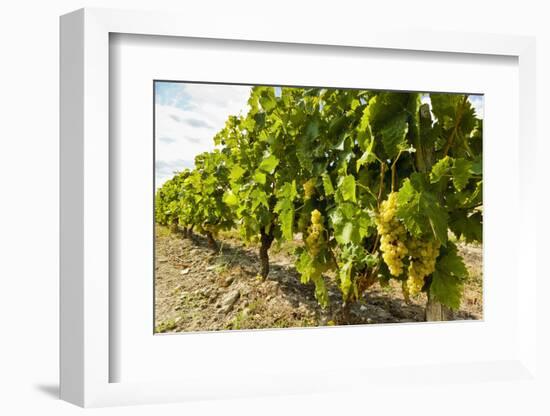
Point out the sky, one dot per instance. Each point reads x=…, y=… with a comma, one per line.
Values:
x=187, y=117
x=477, y=103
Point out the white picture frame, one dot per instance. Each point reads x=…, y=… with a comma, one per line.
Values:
x=86, y=356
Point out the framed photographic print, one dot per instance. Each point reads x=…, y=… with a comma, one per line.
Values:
x=274, y=214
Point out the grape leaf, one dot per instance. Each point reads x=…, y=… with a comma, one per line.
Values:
x=327, y=184
x=477, y=166
x=347, y=188
x=259, y=120
x=383, y=107
x=338, y=224
x=236, y=173
x=248, y=123
x=440, y=169
x=311, y=270
x=260, y=177
x=268, y=101
x=367, y=157
x=286, y=218
x=364, y=123
x=448, y=278
x=321, y=293
x=285, y=208
x=269, y=164
x=304, y=152
x=365, y=224
x=437, y=216
x=304, y=266
x=348, y=233
x=468, y=226
x=419, y=209
x=312, y=130
x=337, y=125
x=408, y=202
x=461, y=173
x=345, y=279
x=394, y=135
x=476, y=196
x=444, y=107
x=258, y=197
x=230, y=198
x=350, y=224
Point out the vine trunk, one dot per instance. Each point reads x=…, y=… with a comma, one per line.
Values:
x=266, y=241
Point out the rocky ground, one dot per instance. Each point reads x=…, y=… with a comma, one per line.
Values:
x=197, y=289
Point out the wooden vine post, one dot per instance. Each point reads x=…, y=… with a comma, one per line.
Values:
x=435, y=311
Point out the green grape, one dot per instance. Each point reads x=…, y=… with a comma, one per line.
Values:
x=316, y=217
x=423, y=255
x=315, y=233
x=392, y=235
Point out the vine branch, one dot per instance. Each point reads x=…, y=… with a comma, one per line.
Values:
x=394, y=171
x=381, y=186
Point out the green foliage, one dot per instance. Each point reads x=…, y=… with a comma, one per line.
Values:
x=311, y=270
x=448, y=278
x=285, y=208
x=327, y=185
x=420, y=209
x=394, y=135
x=167, y=199
x=347, y=188
x=269, y=164
x=441, y=169
x=461, y=173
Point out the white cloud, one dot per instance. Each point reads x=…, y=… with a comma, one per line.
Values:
x=181, y=134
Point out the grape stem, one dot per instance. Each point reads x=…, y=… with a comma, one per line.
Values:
x=331, y=252
x=366, y=189
x=381, y=187
x=394, y=171
x=376, y=240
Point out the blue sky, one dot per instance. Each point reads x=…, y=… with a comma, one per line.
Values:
x=172, y=94
x=187, y=116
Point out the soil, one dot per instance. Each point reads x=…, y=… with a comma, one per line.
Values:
x=198, y=289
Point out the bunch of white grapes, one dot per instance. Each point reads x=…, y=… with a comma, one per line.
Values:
x=315, y=233
x=423, y=255
x=396, y=245
x=309, y=189
x=392, y=235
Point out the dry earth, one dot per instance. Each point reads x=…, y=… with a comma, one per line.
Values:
x=197, y=289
